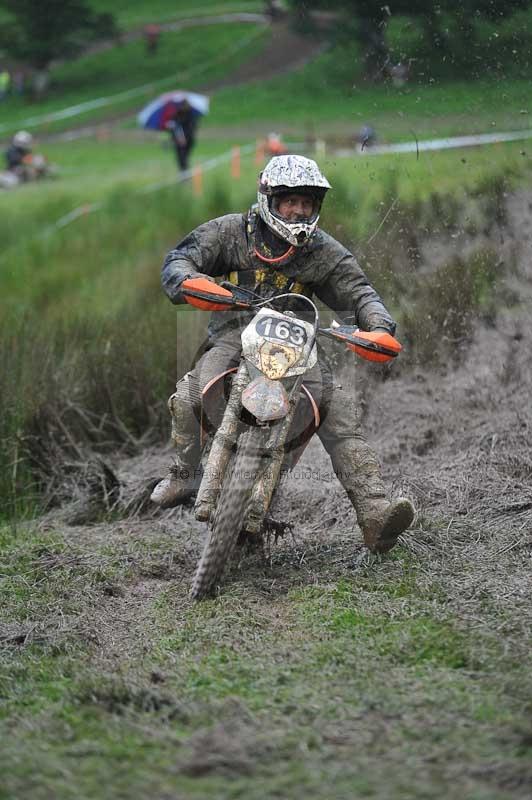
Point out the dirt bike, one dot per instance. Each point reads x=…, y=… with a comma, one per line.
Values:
x=249, y=448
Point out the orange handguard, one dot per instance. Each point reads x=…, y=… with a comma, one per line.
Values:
x=375, y=346
x=207, y=295
x=372, y=345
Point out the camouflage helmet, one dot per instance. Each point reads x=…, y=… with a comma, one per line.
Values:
x=286, y=175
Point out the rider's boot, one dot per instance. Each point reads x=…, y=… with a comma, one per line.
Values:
x=380, y=520
x=176, y=486
x=180, y=481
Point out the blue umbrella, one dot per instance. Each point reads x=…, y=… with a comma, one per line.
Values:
x=159, y=112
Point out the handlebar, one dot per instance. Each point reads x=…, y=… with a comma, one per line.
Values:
x=202, y=293
x=376, y=346
x=210, y=296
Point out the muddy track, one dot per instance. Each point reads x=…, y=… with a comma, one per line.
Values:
x=455, y=438
x=287, y=51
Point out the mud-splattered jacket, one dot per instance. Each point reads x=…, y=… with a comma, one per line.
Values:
x=224, y=248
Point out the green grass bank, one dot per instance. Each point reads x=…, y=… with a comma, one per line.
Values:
x=301, y=691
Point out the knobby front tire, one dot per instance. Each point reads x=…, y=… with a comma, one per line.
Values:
x=229, y=516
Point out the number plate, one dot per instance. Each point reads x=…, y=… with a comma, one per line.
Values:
x=281, y=330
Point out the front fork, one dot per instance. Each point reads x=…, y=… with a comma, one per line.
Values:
x=223, y=443
x=274, y=452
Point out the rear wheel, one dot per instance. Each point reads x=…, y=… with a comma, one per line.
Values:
x=229, y=515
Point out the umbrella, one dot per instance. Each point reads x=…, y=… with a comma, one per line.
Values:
x=157, y=113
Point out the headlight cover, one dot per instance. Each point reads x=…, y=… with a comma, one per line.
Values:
x=265, y=399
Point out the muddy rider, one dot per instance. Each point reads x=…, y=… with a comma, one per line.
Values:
x=273, y=249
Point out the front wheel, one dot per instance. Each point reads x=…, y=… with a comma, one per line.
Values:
x=230, y=514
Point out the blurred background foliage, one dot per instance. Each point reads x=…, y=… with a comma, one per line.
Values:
x=439, y=39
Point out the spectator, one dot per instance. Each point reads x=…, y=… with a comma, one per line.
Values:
x=19, y=82
x=18, y=150
x=22, y=164
x=399, y=73
x=5, y=80
x=182, y=128
x=39, y=84
x=152, y=35
x=366, y=137
x=274, y=9
x=275, y=145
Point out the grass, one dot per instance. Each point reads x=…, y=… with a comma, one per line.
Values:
x=91, y=281
x=327, y=97
x=314, y=101
x=433, y=187
x=131, y=15
x=412, y=638
x=248, y=694
x=436, y=188
x=501, y=46
x=131, y=228
x=194, y=51
x=191, y=57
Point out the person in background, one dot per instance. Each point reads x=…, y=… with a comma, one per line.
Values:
x=182, y=128
x=5, y=81
x=22, y=164
x=152, y=35
x=274, y=9
x=399, y=73
x=19, y=82
x=19, y=149
x=275, y=145
x=365, y=138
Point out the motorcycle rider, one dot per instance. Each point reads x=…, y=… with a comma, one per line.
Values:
x=273, y=249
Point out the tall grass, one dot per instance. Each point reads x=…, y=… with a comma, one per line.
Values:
x=88, y=341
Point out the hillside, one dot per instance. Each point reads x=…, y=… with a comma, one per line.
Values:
x=318, y=671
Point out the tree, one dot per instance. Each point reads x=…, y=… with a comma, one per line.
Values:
x=361, y=20
x=448, y=26
x=39, y=31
